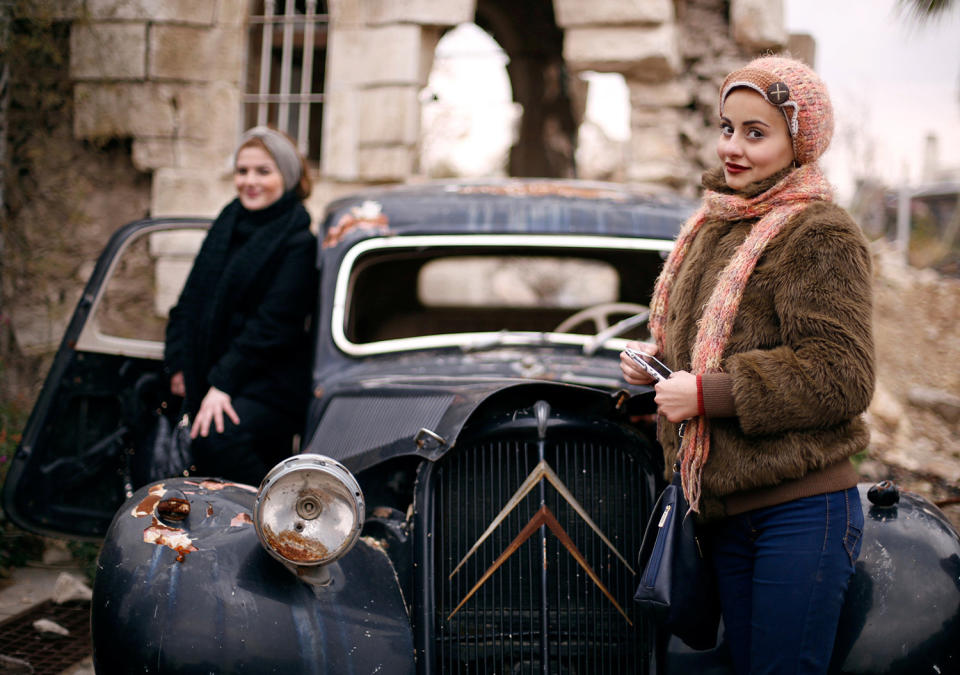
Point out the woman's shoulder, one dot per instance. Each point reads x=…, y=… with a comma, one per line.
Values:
x=825, y=221
x=826, y=215
x=824, y=236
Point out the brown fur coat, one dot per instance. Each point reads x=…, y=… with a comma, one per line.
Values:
x=800, y=359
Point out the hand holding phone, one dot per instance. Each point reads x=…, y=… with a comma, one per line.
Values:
x=653, y=366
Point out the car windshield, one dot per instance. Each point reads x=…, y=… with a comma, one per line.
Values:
x=396, y=295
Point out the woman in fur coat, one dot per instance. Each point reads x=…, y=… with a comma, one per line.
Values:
x=238, y=342
x=763, y=311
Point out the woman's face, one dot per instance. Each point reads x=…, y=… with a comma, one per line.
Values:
x=258, y=180
x=754, y=141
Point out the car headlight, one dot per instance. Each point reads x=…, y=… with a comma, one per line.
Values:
x=309, y=510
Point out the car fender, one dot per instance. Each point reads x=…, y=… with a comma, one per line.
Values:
x=184, y=586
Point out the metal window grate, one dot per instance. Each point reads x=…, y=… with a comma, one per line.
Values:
x=48, y=654
x=285, y=71
x=508, y=626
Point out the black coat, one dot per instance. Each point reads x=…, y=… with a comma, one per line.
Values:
x=242, y=322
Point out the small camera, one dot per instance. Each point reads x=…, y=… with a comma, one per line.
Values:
x=649, y=363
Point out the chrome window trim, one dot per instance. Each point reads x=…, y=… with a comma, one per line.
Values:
x=468, y=341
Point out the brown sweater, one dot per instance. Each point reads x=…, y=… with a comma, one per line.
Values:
x=798, y=368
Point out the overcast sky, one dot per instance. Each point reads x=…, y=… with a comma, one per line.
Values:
x=892, y=80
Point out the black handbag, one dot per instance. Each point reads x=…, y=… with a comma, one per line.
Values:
x=165, y=452
x=678, y=585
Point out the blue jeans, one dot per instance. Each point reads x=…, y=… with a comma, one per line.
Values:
x=782, y=573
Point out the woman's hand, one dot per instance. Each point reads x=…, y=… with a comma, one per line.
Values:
x=177, y=388
x=632, y=372
x=676, y=397
x=214, y=406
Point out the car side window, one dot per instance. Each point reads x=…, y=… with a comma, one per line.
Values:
x=130, y=311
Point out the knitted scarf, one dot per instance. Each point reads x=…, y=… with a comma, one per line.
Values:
x=774, y=208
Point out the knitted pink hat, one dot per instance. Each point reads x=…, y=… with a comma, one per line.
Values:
x=798, y=92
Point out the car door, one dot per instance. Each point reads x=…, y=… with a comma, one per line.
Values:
x=76, y=462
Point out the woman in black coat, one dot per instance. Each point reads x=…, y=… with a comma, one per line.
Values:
x=238, y=341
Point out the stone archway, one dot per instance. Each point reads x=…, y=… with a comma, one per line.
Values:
x=527, y=31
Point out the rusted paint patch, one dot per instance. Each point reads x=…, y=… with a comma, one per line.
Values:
x=171, y=537
x=146, y=507
x=368, y=216
x=209, y=510
x=544, y=189
x=294, y=547
x=241, y=519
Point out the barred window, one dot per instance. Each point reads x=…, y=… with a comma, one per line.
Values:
x=285, y=69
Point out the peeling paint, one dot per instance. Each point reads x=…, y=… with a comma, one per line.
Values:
x=241, y=519
x=214, y=485
x=368, y=216
x=172, y=537
x=149, y=504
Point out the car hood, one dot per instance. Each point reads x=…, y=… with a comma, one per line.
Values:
x=418, y=404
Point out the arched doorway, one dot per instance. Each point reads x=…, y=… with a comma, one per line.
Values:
x=527, y=30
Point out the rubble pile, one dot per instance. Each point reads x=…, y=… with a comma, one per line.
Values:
x=915, y=414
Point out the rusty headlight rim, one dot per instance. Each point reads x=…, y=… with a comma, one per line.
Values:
x=309, y=511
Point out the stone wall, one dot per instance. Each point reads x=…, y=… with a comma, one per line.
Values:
x=168, y=75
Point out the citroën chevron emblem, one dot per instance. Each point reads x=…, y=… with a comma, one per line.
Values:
x=543, y=516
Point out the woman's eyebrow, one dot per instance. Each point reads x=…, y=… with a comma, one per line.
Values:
x=746, y=123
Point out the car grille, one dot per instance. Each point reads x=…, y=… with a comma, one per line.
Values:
x=523, y=619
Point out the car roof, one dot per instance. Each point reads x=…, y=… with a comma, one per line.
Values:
x=530, y=206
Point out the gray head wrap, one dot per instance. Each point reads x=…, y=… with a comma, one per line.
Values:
x=281, y=149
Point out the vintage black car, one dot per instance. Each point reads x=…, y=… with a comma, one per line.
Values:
x=471, y=488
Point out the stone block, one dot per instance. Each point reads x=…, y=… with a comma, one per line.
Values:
x=150, y=154
x=174, y=252
x=387, y=115
x=643, y=54
x=803, y=46
x=189, y=53
x=424, y=12
x=674, y=94
x=153, y=153
x=108, y=51
x=169, y=277
x=397, y=54
x=233, y=13
x=758, y=25
x=655, y=143
x=340, y=133
x=174, y=11
x=380, y=164
x=208, y=112
x=571, y=13
x=117, y=110
x=189, y=192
